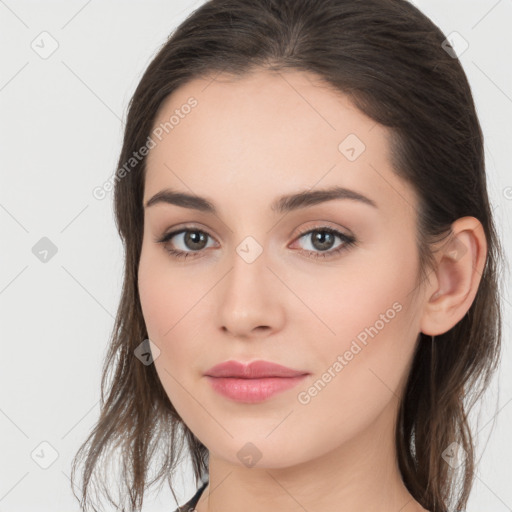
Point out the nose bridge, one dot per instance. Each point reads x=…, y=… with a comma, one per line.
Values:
x=249, y=300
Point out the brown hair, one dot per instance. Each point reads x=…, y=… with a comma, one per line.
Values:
x=388, y=58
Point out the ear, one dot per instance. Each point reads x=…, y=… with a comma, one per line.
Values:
x=460, y=263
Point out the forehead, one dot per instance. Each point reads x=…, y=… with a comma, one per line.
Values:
x=267, y=132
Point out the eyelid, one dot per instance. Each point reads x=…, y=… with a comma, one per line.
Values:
x=175, y=230
x=324, y=224
x=301, y=231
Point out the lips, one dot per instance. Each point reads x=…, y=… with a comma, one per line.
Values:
x=253, y=370
x=253, y=382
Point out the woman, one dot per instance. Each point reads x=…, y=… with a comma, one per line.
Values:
x=310, y=303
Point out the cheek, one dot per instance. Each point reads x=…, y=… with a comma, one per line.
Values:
x=367, y=295
x=166, y=295
x=370, y=329
x=164, y=309
x=170, y=303
x=357, y=376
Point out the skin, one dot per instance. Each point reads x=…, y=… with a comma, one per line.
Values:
x=247, y=142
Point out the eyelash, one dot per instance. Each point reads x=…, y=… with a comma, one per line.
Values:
x=348, y=240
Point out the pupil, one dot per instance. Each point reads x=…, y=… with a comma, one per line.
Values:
x=195, y=237
x=322, y=239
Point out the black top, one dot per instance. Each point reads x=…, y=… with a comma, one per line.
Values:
x=190, y=505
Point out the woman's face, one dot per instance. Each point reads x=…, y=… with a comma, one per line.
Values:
x=263, y=282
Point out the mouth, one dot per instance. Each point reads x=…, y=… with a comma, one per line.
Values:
x=254, y=382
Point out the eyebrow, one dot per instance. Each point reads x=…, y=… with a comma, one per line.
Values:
x=282, y=204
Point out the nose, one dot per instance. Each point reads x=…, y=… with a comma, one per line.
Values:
x=251, y=300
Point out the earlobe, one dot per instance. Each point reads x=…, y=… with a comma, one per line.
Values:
x=460, y=263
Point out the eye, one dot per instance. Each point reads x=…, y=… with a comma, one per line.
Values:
x=192, y=241
x=323, y=238
x=192, y=238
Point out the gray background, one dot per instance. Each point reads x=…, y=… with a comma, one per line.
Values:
x=61, y=126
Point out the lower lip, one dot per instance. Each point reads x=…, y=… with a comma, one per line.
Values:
x=252, y=390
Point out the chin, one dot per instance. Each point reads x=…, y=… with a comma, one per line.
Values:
x=265, y=451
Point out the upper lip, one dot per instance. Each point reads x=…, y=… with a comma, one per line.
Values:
x=253, y=370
